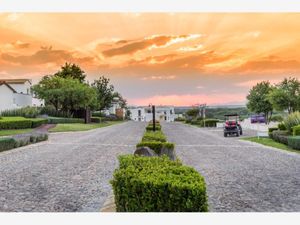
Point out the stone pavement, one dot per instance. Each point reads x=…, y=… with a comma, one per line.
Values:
x=241, y=176
x=70, y=172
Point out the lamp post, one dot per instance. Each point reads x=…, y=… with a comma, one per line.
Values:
x=153, y=117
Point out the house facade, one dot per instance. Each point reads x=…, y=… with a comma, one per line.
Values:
x=162, y=113
x=16, y=93
x=115, y=109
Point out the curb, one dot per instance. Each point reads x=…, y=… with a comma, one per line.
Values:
x=109, y=204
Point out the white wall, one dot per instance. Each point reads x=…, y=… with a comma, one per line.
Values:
x=162, y=114
x=22, y=88
x=23, y=100
x=6, y=98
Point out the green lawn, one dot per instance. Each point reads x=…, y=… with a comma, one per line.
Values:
x=66, y=127
x=269, y=142
x=14, y=132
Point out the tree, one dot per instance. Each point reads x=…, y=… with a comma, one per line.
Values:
x=104, y=91
x=258, y=99
x=71, y=71
x=193, y=112
x=123, y=101
x=286, y=95
x=65, y=94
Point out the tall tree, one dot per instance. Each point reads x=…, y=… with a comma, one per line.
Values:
x=65, y=94
x=286, y=95
x=105, y=92
x=123, y=101
x=258, y=99
x=71, y=71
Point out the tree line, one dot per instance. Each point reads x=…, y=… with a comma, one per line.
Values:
x=283, y=96
x=68, y=91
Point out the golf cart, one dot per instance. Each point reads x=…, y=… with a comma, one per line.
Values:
x=232, y=125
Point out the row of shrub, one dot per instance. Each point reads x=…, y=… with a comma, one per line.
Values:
x=203, y=122
x=33, y=112
x=288, y=131
x=9, y=123
x=157, y=184
x=157, y=141
x=57, y=120
x=22, y=140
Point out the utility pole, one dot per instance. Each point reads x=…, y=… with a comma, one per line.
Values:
x=202, y=111
x=153, y=117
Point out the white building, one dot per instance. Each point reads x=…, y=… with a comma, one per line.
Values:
x=162, y=113
x=115, y=109
x=16, y=93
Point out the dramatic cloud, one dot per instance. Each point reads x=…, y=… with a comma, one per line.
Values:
x=154, y=41
x=44, y=56
x=159, y=78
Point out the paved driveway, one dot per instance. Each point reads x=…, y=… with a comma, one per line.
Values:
x=240, y=176
x=70, y=172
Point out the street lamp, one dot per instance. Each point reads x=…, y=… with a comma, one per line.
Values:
x=153, y=117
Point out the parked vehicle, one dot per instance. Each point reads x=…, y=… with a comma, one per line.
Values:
x=258, y=119
x=232, y=125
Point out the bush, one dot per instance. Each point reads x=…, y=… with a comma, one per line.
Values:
x=294, y=142
x=154, y=136
x=6, y=144
x=150, y=127
x=209, y=122
x=292, y=120
x=96, y=120
x=10, y=123
x=51, y=111
x=179, y=119
x=27, y=112
x=56, y=120
x=280, y=136
x=156, y=145
x=277, y=118
x=281, y=126
x=98, y=114
x=296, y=130
x=38, y=122
x=156, y=184
x=271, y=129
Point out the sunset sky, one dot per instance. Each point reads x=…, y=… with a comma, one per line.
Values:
x=167, y=58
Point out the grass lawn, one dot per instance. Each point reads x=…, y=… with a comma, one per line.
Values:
x=66, y=127
x=14, y=132
x=269, y=142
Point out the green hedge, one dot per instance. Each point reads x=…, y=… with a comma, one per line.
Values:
x=154, y=136
x=156, y=184
x=96, y=119
x=296, y=130
x=150, y=127
x=38, y=122
x=9, y=123
x=280, y=136
x=156, y=145
x=6, y=144
x=281, y=126
x=22, y=140
x=209, y=122
x=294, y=142
x=57, y=120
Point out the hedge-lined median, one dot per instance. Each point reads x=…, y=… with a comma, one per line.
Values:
x=11, y=123
x=156, y=184
x=21, y=140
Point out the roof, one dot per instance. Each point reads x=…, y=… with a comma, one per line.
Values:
x=6, y=84
x=15, y=81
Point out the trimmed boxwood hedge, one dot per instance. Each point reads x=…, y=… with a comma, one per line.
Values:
x=280, y=136
x=150, y=127
x=38, y=122
x=57, y=120
x=156, y=145
x=156, y=184
x=9, y=123
x=294, y=142
x=7, y=143
x=154, y=136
